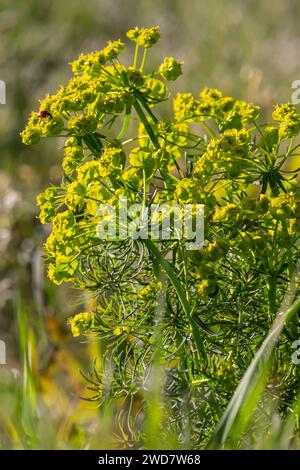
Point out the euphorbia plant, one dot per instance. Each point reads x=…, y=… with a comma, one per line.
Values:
x=206, y=310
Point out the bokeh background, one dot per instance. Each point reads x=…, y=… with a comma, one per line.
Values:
x=249, y=49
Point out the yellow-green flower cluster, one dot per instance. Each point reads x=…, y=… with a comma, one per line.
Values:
x=73, y=157
x=170, y=69
x=88, y=189
x=186, y=107
x=257, y=223
x=82, y=125
x=240, y=115
x=114, y=101
x=38, y=127
x=233, y=142
x=135, y=77
x=89, y=172
x=204, y=167
x=89, y=197
x=47, y=202
x=285, y=206
x=77, y=95
x=81, y=323
x=144, y=37
x=150, y=291
x=144, y=158
x=112, y=162
x=61, y=247
x=155, y=89
x=228, y=213
x=289, y=120
x=227, y=112
x=93, y=62
x=206, y=261
x=75, y=196
x=227, y=153
x=187, y=191
x=248, y=209
x=210, y=102
x=172, y=137
x=109, y=163
x=101, y=86
x=207, y=288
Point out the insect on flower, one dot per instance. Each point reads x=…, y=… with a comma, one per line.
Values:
x=44, y=114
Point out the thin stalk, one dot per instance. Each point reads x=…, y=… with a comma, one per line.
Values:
x=136, y=53
x=125, y=122
x=144, y=59
x=144, y=190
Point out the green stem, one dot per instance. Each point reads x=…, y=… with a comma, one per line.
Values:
x=125, y=122
x=144, y=190
x=136, y=53
x=144, y=59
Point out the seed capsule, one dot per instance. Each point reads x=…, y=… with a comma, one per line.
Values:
x=44, y=114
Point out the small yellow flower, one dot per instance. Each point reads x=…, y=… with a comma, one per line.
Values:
x=170, y=69
x=145, y=37
x=207, y=287
x=150, y=291
x=81, y=323
x=121, y=329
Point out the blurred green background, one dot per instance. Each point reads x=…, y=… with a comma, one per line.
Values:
x=249, y=49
